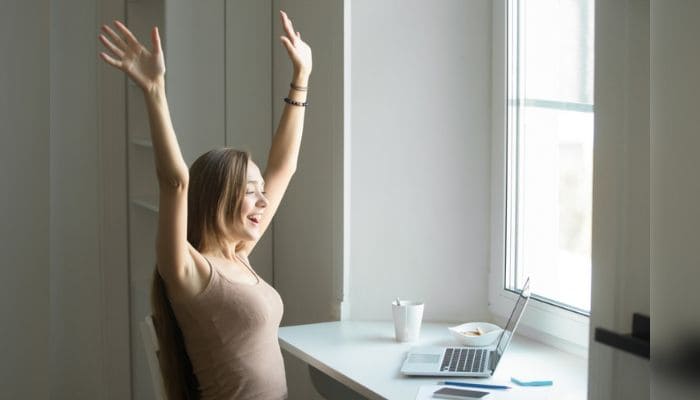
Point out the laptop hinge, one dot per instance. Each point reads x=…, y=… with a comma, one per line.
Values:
x=493, y=360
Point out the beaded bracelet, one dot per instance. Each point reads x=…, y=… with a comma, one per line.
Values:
x=295, y=103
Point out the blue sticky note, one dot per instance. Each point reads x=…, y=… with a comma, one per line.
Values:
x=540, y=382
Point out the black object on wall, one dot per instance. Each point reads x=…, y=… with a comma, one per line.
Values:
x=636, y=342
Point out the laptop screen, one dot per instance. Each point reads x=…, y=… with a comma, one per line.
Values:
x=520, y=304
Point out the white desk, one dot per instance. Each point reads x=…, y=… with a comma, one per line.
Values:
x=364, y=357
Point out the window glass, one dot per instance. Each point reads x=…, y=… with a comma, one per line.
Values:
x=550, y=149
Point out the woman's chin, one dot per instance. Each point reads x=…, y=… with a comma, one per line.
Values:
x=252, y=234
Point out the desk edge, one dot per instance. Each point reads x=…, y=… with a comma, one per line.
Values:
x=345, y=380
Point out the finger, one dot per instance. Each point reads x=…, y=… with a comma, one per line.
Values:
x=298, y=35
x=287, y=24
x=111, y=61
x=287, y=43
x=130, y=38
x=114, y=49
x=118, y=41
x=155, y=40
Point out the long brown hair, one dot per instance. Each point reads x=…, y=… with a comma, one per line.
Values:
x=216, y=188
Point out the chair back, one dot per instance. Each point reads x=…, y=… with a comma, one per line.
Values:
x=150, y=343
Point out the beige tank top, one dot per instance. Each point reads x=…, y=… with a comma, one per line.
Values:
x=230, y=333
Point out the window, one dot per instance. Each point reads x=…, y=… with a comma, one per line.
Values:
x=541, y=160
x=549, y=150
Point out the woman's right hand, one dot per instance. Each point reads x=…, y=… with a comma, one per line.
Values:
x=146, y=68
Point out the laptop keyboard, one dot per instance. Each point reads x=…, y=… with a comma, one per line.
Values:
x=463, y=360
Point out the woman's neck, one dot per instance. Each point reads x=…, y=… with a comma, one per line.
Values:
x=227, y=251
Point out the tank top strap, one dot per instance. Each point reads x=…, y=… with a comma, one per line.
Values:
x=250, y=269
x=217, y=275
x=212, y=271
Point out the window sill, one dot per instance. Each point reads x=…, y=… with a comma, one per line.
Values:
x=545, y=323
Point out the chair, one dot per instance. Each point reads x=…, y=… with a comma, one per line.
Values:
x=150, y=343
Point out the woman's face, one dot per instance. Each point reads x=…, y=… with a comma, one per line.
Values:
x=253, y=205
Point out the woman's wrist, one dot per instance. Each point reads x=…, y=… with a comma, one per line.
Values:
x=155, y=93
x=300, y=78
x=155, y=88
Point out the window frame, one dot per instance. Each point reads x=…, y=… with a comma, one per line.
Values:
x=559, y=327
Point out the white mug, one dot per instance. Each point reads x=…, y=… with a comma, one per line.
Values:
x=407, y=320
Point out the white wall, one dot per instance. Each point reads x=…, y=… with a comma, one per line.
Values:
x=55, y=304
x=420, y=157
x=675, y=193
x=620, y=241
x=75, y=272
x=88, y=265
x=24, y=177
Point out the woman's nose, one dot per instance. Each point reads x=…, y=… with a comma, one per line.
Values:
x=262, y=201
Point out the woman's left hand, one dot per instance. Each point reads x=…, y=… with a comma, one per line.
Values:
x=299, y=52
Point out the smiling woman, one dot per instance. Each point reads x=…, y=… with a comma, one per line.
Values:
x=215, y=318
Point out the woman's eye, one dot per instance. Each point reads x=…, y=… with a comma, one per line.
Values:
x=249, y=192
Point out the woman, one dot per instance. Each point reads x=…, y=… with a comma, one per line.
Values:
x=216, y=319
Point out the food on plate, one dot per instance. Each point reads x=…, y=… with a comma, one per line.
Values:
x=476, y=332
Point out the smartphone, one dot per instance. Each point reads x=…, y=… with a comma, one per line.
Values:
x=463, y=394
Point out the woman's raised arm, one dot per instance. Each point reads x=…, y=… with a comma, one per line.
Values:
x=284, y=151
x=147, y=69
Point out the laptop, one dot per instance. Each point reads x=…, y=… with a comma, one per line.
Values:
x=466, y=361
